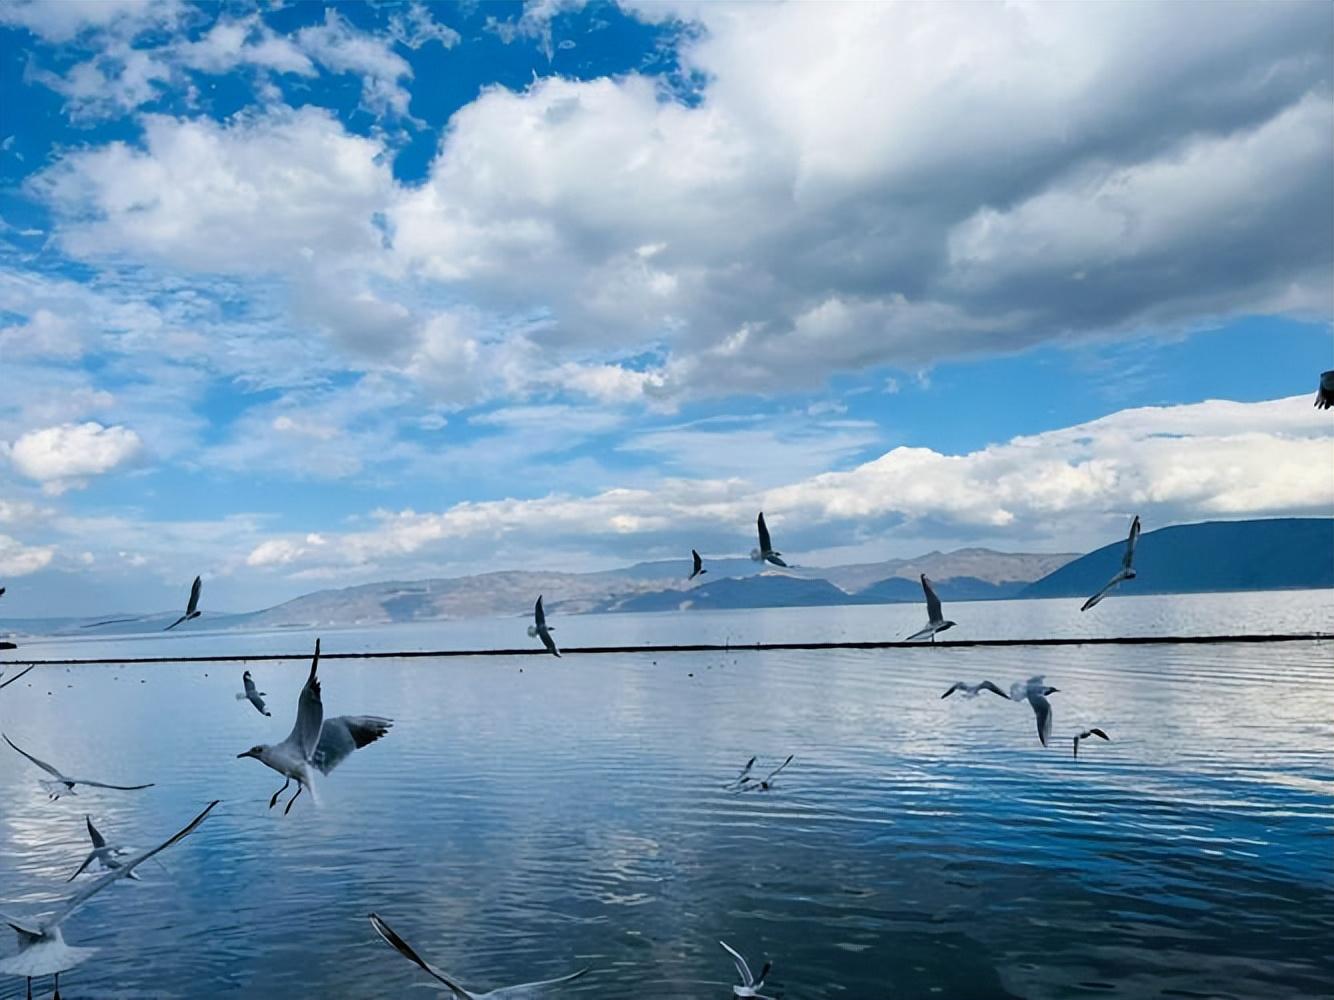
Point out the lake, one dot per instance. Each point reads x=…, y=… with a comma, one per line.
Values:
x=529, y=816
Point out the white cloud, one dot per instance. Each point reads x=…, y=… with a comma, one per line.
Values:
x=45, y=334
x=341, y=48
x=62, y=457
x=64, y=20
x=417, y=26
x=17, y=559
x=246, y=41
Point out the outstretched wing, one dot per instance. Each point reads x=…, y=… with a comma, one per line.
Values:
x=699, y=564
x=16, y=677
x=97, y=839
x=1129, y=556
x=933, y=610
x=86, y=862
x=766, y=545
x=549, y=642
x=956, y=686
x=406, y=950
x=743, y=970
x=345, y=733
x=770, y=775
x=251, y=691
x=175, y=623
x=988, y=686
x=305, y=735
x=530, y=991
x=1106, y=589
x=102, y=784
x=40, y=763
x=195, y=587
x=1042, y=710
x=124, y=870
x=539, y=616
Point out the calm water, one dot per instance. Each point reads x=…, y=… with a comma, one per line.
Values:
x=519, y=825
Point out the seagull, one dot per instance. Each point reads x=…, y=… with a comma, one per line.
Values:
x=741, y=778
x=972, y=690
x=252, y=695
x=764, y=784
x=699, y=569
x=16, y=676
x=524, y=991
x=1035, y=692
x=1086, y=734
x=315, y=741
x=749, y=987
x=541, y=628
x=1324, y=397
x=191, y=609
x=766, y=553
x=935, y=620
x=1127, y=571
x=63, y=785
x=42, y=948
x=106, y=856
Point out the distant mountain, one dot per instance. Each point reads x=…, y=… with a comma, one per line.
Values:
x=960, y=588
x=1216, y=555
x=767, y=591
x=980, y=564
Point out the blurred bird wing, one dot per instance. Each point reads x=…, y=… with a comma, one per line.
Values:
x=766, y=545
x=1131, y=541
x=934, y=614
x=305, y=734
x=40, y=763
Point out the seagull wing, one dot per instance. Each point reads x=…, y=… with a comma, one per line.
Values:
x=699, y=564
x=1129, y=556
x=251, y=691
x=539, y=616
x=766, y=545
x=1324, y=397
x=741, y=967
x=305, y=735
x=406, y=950
x=195, y=587
x=101, y=784
x=530, y=991
x=1042, y=710
x=344, y=733
x=933, y=611
x=97, y=839
x=956, y=686
x=124, y=870
x=549, y=642
x=86, y=862
x=13, y=679
x=770, y=775
x=175, y=623
x=1106, y=589
x=921, y=634
x=40, y=763
x=988, y=686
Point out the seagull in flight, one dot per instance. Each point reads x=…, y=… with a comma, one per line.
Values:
x=1035, y=692
x=541, y=628
x=747, y=784
x=1324, y=397
x=750, y=986
x=42, y=948
x=107, y=856
x=1127, y=570
x=972, y=690
x=699, y=569
x=1086, y=734
x=315, y=743
x=766, y=553
x=63, y=785
x=252, y=694
x=191, y=609
x=935, y=619
x=524, y=991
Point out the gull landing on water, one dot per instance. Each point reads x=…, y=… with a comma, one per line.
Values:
x=1086, y=734
x=541, y=628
x=750, y=987
x=64, y=785
x=524, y=991
x=1127, y=570
x=252, y=694
x=42, y=948
x=935, y=618
x=315, y=743
x=745, y=783
x=972, y=690
x=766, y=553
x=1324, y=397
x=698, y=569
x=191, y=609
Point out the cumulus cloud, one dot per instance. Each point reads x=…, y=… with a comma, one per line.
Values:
x=67, y=19
x=17, y=559
x=62, y=457
x=341, y=48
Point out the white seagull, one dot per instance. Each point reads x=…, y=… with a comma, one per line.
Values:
x=1086, y=734
x=315, y=743
x=935, y=619
x=64, y=785
x=1035, y=692
x=1127, y=571
x=750, y=986
x=972, y=690
x=107, y=856
x=42, y=948
x=191, y=609
x=541, y=628
x=524, y=991
x=766, y=553
x=1324, y=397
x=699, y=569
x=252, y=694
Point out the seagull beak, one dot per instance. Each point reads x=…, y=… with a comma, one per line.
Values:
x=248, y=753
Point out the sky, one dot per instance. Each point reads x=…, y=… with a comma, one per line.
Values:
x=297, y=296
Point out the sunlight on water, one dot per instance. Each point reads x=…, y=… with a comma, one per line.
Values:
x=528, y=816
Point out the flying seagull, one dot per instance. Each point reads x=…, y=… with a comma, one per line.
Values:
x=541, y=628
x=107, y=856
x=252, y=694
x=766, y=553
x=524, y=991
x=63, y=785
x=935, y=619
x=699, y=569
x=750, y=986
x=1035, y=692
x=1127, y=571
x=972, y=690
x=1324, y=397
x=16, y=676
x=42, y=948
x=191, y=609
x=1086, y=734
x=315, y=742
x=746, y=784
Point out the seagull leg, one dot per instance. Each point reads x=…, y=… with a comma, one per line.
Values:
x=299, y=789
x=30, y=988
x=274, y=801
x=56, y=994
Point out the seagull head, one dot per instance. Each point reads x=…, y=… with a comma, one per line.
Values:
x=254, y=751
x=945, y=625
x=1050, y=690
x=532, y=631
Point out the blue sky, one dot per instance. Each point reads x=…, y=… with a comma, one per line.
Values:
x=297, y=296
